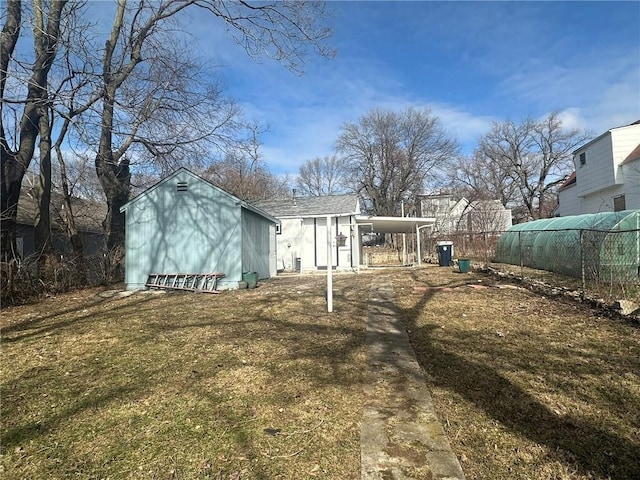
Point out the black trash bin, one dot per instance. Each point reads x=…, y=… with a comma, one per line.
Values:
x=298, y=266
x=445, y=254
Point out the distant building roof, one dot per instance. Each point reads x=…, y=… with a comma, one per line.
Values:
x=634, y=155
x=88, y=214
x=569, y=181
x=310, y=206
x=608, y=132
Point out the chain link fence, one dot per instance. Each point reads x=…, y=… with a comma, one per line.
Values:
x=597, y=263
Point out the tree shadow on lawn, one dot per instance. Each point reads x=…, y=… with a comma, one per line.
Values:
x=301, y=331
x=318, y=348
x=583, y=445
x=57, y=320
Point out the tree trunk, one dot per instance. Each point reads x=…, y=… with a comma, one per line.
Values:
x=42, y=227
x=116, y=183
x=12, y=174
x=14, y=164
x=70, y=221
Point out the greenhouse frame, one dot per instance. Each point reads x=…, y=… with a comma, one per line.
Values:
x=603, y=246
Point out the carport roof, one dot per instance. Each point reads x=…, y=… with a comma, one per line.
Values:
x=372, y=224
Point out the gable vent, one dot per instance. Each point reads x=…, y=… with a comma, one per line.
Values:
x=183, y=186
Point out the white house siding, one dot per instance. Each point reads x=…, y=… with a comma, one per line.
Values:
x=632, y=185
x=605, y=175
x=306, y=239
x=342, y=256
x=598, y=172
x=568, y=202
x=624, y=140
x=289, y=242
x=273, y=251
x=602, y=201
x=303, y=233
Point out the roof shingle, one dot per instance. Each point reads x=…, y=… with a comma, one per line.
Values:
x=310, y=206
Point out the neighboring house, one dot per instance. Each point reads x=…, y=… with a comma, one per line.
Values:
x=457, y=216
x=185, y=224
x=88, y=217
x=606, y=176
x=302, y=235
x=444, y=208
x=486, y=216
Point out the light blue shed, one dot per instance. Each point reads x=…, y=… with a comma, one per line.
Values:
x=185, y=224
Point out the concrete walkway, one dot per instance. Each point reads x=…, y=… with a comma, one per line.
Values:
x=401, y=437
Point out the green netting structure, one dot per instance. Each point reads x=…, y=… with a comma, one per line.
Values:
x=603, y=245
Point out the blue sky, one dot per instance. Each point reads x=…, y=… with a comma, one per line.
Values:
x=471, y=63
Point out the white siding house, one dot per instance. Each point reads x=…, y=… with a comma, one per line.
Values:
x=462, y=215
x=302, y=235
x=606, y=176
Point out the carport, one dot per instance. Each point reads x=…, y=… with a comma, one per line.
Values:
x=373, y=224
x=404, y=225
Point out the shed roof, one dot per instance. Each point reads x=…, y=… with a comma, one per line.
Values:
x=311, y=206
x=238, y=201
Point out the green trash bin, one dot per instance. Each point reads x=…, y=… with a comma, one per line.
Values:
x=251, y=278
x=464, y=264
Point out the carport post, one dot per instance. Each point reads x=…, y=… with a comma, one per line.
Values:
x=418, y=228
x=329, y=266
x=418, y=245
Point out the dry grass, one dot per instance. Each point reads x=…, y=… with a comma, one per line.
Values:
x=264, y=384
x=257, y=384
x=527, y=388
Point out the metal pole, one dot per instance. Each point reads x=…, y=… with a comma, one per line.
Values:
x=582, y=275
x=418, y=245
x=329, y=267
x=404, y=241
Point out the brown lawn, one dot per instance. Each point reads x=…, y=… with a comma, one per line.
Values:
x=264, y=384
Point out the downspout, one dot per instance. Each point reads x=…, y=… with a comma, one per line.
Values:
x=315, y=242
x=337, y=248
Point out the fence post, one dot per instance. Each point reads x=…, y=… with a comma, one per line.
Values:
x=520, y=253
x=486, y=248
x=582, y=273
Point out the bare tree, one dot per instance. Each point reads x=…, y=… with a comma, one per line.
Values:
x=284, y=31
x=244, y=174
x=532, y=156
x=479, y=178
x=322, y=176
x=153, y=106
x=15, y=158
x=393, y=156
